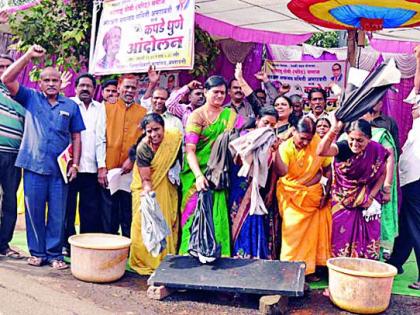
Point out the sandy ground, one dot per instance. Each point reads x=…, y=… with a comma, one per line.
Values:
x=42, y=290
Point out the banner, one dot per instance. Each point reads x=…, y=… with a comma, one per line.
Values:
x=17, y=5
x=134, y=34
x=302, y=76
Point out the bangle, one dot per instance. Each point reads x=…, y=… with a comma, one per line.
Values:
x=75, y=166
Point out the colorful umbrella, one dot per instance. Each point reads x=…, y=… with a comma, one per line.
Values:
x=368, y=15
x=17, y=5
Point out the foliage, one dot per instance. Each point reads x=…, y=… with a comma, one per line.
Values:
x=324, y=39
x=206, y=52
x=62, y=27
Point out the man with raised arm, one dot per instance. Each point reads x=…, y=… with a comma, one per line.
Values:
x=52, y=122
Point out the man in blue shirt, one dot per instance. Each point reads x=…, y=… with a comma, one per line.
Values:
x=52, y=122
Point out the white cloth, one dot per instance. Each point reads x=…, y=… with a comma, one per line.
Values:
x=373, y=212
x=118, y=181
x=154, y=228
x=254, y=150
x=171, y=121
x=409, y=164
x=93, y=137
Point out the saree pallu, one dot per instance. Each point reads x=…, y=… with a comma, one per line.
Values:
x=306, y=229
x=389, y=216
x=249, y=232
x=208, y=136
x=167, y=197
x=352, y=234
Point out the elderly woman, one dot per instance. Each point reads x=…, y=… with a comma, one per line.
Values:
x=323, y=125
x=359, y=173
x=303, y=203
x=204, y=125
x=157, y=153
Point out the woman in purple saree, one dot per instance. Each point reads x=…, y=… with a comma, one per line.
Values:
x=359, y=172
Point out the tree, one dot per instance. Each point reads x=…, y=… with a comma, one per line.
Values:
x=62, y=27
x=324, y=39
x=206, y=52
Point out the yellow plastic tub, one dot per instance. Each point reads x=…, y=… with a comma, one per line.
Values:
x=97, y=257
x=359, y=285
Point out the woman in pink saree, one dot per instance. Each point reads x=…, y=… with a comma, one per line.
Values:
x=359, y=173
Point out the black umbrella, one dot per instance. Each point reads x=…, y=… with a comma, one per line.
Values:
x=203, y=240
x=372, y=90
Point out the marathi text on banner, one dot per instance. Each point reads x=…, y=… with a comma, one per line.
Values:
x=134, y=34
x=17, y=5
x=302, y=76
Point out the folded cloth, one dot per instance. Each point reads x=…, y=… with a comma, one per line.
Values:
x=254, y=149
x=217, y=172
x=154, y=228
x=203, y=240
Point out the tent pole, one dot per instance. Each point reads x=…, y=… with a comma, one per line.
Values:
x=96, y=7
x=351, y=47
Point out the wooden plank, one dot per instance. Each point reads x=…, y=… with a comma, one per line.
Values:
x=255, y=276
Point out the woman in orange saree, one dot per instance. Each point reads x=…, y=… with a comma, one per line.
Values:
x=303, y=202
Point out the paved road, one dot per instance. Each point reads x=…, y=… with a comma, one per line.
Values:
x=42, y=290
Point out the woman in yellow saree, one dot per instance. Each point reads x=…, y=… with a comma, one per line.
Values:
x=303, y=202
x=156, y=154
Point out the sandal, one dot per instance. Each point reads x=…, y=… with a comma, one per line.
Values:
x=35, y=261
x=58, y=264
x=11, y=253
x=415, y=285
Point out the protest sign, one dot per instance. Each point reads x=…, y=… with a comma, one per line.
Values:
x=134, y=34
x=302, y=76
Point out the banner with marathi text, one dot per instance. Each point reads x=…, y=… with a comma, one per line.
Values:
x=17, y=5
x=302, y=76
x=134, y=34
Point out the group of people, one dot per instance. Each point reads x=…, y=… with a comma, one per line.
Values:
x=329, y=189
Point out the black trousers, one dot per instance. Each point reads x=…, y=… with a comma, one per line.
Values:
x=116, y=211
x=409, y=226
x=87, y=187
x=9, y=180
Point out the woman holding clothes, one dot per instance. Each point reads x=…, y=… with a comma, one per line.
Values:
x=156, y=154
x=204, y=125
x=253, y=235
x=303, y=203
x=359, y=172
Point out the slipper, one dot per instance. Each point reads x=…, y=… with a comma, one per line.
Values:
x=58, y=264
x=415, y=285
x=35, y=261
x=11, y=253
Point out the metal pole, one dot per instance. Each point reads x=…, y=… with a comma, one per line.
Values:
x=96, y=7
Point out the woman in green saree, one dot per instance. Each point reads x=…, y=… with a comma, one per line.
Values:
x=389, y=216
x=204, y=125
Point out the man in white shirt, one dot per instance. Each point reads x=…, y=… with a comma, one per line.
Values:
x=409, y=223
x=159, y=97
x=92, y=157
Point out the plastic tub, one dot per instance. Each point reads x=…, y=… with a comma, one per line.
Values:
x=97, y=257
x=360, y=285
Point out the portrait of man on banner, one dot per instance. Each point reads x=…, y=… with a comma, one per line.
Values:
x=111, y=45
